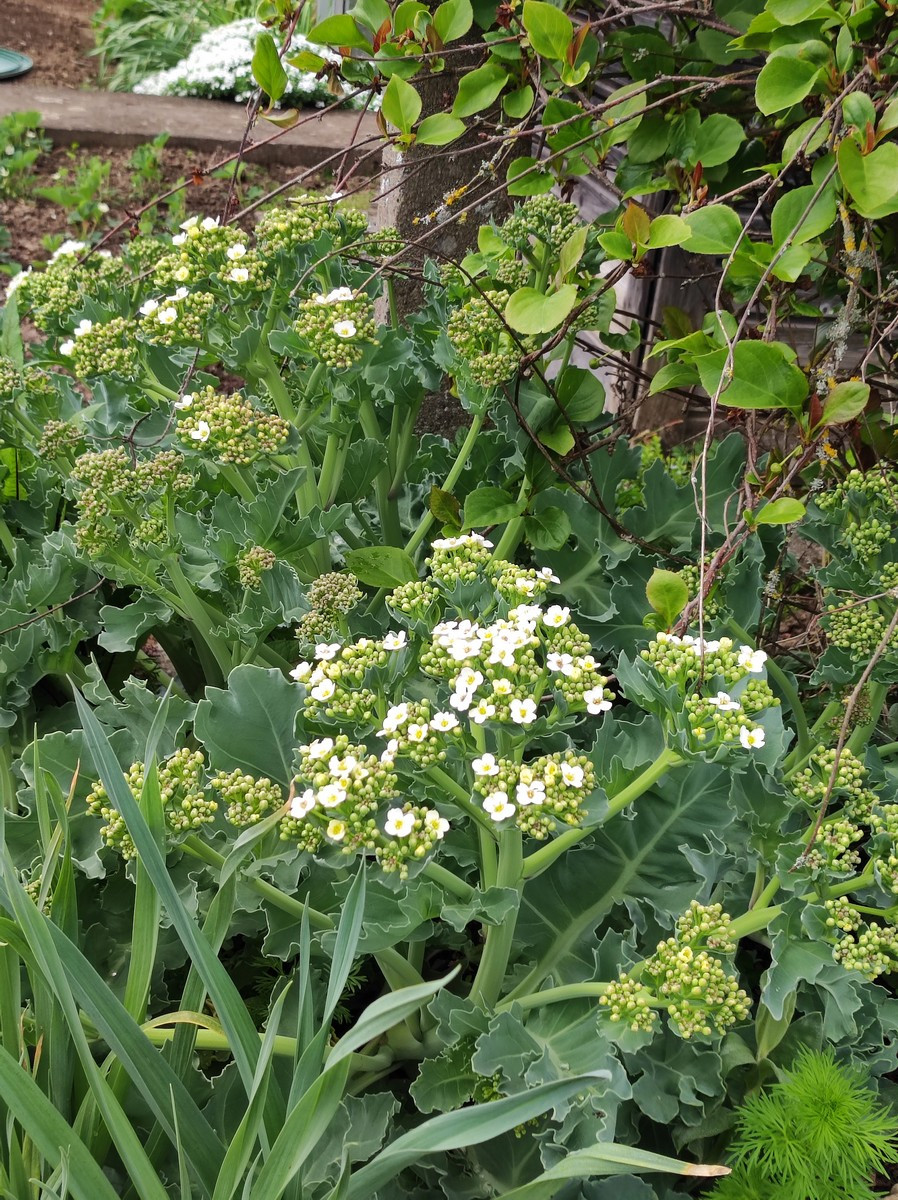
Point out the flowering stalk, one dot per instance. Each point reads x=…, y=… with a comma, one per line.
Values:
x=450, y=481
x=666, y=761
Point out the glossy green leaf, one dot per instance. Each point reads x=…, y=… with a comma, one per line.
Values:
x=339, y=30
x=668, y=595
x=871, y=179
x=845, y=402
x=763, y=376
x=530, y=311
x=784, y=511
x=548, y=529
x=401, y=104
x=479, y=88
x=268, y=70
x=490, y=506
x=800, y=215
x=549, y=29
x=381, y=566
x=784, y=80
x=668, y=230
x=715, y=229
x=439, y=129
x=453, y=19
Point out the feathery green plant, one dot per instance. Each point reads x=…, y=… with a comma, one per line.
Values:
x=818, y=1135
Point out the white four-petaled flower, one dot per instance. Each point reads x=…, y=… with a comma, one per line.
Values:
x=399, y=824
x=523, y=712
x=724, y=702
x=202, y=432
x=167, y=315
x=238, y=275
x=301, y=806
x=485, y=765
x=556, y=615
x=443, y=722
x=345, y=329
x=395, y=641
x=596, y=702
x=301, y=671
x=498, y=806
x=83, y=327
x=325, y=651
x=751, y=739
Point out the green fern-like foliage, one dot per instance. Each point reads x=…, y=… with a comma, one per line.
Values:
x=818, y=1135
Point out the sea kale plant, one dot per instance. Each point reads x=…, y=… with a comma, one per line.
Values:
x=505, y=814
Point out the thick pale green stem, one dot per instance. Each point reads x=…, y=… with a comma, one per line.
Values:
x=391, y=530
x=499, y=938
x=462, y=798
x=449, y=482
x=197, y=614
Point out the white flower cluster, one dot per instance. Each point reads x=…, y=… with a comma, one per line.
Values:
x=219, y=67
x=752, y=661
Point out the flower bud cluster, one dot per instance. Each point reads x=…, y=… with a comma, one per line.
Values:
x=811, y=782
x=685, y=978
x=59, y=290
x=478, y=333
x=414, y=731
x=118, y=493
x=860, y=945
x=516, y=584
x=281, y=230
x=105, y=349
x=251, y=562
x=685, y=660
x=184, y=802
x=378, y=243
x=248, y=799
x=537, y=794
x=340, y=790
x=199, y=250
x=865, y=503
x=227, y=426
x=176, y=320
x=857, y=628
x=834, y=848
x=335, y=684
x=460, y=559
x=719, y=718
x=330, y=597
x=543, y=219
x=884, y=848
x=692, y=577
x=10, y=379
x=337, y=325
x=59, y=439
x=416, y=599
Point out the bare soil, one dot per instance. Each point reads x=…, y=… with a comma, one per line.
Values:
x=29, y=218
x=57, y=35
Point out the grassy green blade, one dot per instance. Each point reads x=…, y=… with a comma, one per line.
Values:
x=607, y=1159
x=145, y=1065
x=38, y=932
x=345, y=943
x=244, y=1140
x=242, y=1034
x=64, y=914
x=384, y=1013
x=179, y=1051
x=466, y=1127
x=145, y=922
x=305, y=1011
x=186, y=1189
x=302, y=1131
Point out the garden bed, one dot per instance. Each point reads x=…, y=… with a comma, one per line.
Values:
x=58, y=38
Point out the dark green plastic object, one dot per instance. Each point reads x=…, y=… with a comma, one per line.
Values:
x=13, y=64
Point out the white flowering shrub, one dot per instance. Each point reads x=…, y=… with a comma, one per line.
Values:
x=462, y=797
x=219, y=67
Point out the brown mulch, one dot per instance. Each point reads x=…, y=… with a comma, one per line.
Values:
x=57, y=35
